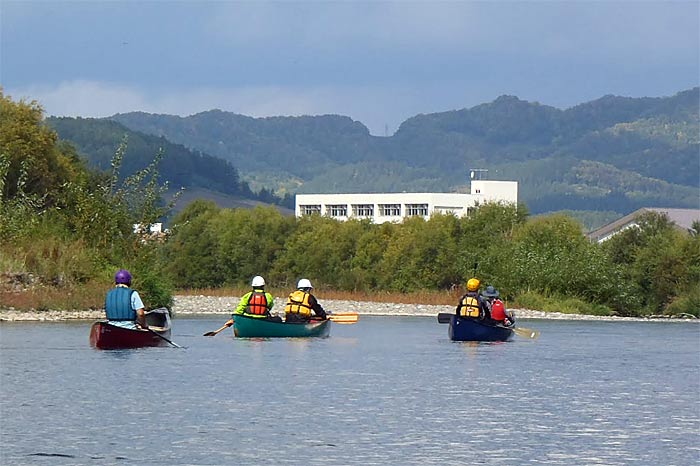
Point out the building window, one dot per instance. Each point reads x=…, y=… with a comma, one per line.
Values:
x=390, y=210
x=310, y=209
x=447, y=210
x=337, y=210
x=416, y=209
x=363, y=210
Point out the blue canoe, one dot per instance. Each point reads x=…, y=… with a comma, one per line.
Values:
x=251, y=327
x=476, y=330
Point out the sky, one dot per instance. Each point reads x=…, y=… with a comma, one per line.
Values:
x=377, y=62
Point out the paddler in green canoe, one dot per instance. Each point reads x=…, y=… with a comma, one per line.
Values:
x=257, y=302
x=301, y=303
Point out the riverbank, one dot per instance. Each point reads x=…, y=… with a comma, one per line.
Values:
x=184, y=306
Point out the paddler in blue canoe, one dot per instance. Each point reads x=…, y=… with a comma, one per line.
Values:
x=472, y=304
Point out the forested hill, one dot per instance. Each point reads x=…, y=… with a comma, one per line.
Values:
x=98, y=139
x=613, y=154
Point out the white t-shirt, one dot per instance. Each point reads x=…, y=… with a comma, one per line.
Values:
x=136, y=302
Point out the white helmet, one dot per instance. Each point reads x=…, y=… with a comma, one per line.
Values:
x=304, y=283
x=258, y=281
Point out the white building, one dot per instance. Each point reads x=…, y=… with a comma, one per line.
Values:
x=153, y=228
x=394, y=207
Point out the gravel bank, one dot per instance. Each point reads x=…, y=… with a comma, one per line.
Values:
x=223, y=306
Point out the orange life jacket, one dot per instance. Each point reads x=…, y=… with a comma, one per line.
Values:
x=498, y=310
x=257, y=303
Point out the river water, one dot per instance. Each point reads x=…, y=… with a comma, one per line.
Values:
x=386, y=391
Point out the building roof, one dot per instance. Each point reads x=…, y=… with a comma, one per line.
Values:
x=682, y=218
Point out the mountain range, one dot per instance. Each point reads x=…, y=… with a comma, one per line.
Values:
x=614, y=154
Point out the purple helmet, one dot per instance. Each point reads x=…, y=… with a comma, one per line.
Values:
x=123, y=277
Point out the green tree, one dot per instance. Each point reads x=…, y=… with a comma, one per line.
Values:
x=484, y=240
x=656, y=258
x=250, y=241
x=421, y=255
x=191, y=252
x=552, y=256
x=320, y=249
x=371, y=247
x=64, y=223
x=36, y=164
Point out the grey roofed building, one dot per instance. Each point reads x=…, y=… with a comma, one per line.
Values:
x=682, y=218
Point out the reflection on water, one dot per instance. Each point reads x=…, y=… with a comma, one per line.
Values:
x=384, y=391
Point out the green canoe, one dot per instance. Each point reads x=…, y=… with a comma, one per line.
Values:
x=250, y=327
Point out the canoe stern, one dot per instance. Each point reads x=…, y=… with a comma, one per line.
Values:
x=250, y=327
x=474, y=330
x=104, y=335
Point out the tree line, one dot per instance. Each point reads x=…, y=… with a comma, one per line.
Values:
x=647, y=270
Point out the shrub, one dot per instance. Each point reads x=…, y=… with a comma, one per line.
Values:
x=565, y=305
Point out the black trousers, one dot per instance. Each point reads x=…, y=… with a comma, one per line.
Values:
x=296, y=318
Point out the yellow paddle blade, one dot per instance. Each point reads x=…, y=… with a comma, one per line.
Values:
x=526, y=332
x=345, y=318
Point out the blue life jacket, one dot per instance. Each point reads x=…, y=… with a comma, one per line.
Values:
x=118, y=304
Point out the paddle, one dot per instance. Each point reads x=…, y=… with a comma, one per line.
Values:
x=172, y=343
x=226, y=325
x=526, y=332
x=344, y=318
x=444, y=317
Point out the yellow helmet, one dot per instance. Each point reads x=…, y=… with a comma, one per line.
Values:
x=473, y=284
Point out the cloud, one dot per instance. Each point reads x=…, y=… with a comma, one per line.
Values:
x=81, y=98
x=624, y=30
x=321, y=24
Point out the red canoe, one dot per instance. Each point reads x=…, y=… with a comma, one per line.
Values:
x=112, y=335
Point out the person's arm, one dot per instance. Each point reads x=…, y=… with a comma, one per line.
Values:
x=317, y=308
x=141, y=318
x=270, y=302
x=243, y=303
x=485, y=310
x=137, y=305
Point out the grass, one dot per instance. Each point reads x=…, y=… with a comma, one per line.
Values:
x=558, y=304
x=44, y=298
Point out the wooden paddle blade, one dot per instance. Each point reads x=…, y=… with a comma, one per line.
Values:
x=444, y=317
x=526, y=332
x=345, y=318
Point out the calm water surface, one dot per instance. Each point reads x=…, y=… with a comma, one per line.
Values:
x=388, y=390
